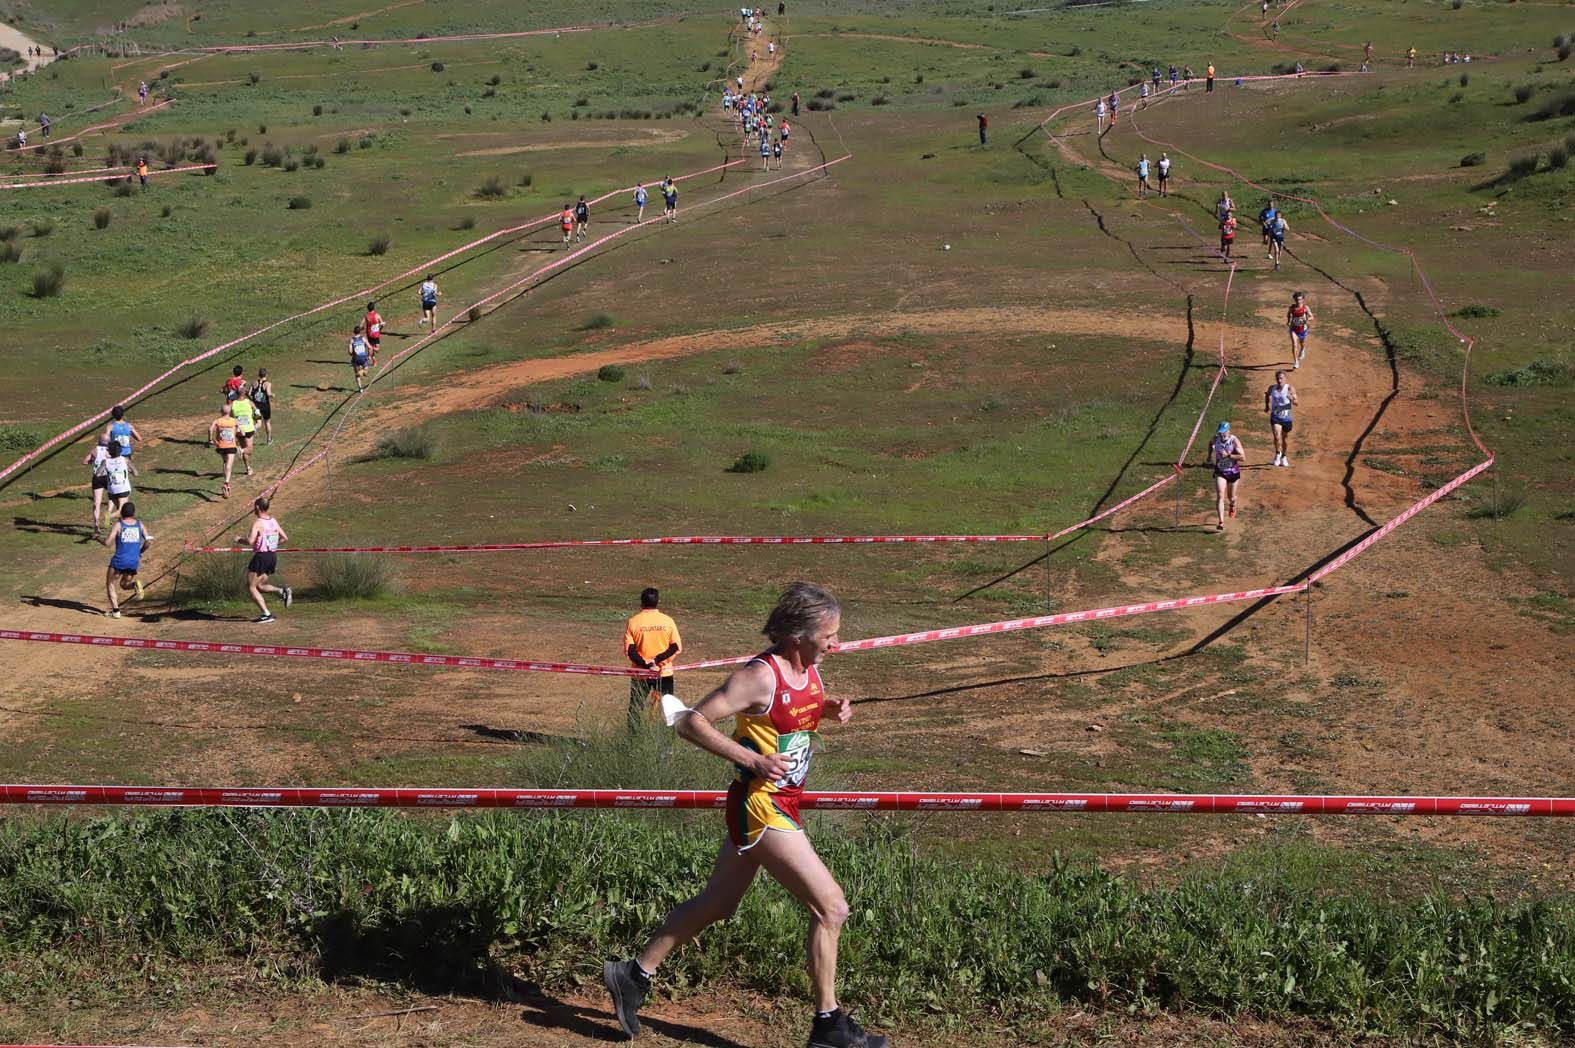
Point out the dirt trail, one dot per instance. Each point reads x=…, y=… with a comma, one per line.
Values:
x=18, y=41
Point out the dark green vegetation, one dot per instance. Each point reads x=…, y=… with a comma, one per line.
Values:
x=434, y=904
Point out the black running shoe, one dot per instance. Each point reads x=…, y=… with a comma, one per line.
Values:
x=628, y=986
x=838, y=1030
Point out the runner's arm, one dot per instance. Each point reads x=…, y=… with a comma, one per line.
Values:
x=134, y=434
x=635, y=657
x=746, y=688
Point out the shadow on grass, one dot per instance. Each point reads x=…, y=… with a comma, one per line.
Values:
x=63, y=604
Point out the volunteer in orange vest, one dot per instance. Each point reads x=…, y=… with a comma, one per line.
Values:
x=651, y=641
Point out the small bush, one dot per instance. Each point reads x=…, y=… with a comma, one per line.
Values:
x=437, y=67
x=255, y=78
x=342, y=146
x=192, y=327
x=1457, y=4
x=733, y=367
x=1476, y=312
x=250, y=158
x=76, y=149
x=492, y=189
x=379, y=245
x=292, y=165
x=1556, y=106
x=597, y=321
x=405, y=111
x=54, y=166
x=1457, y=97
x=546, y=117
x=1564, y=53
x=49, y=283
x=820, y=105
x=365, y=142
x=581, y=102
x=166, y=211
x=474, y=314
x=751, y=462
x=1524, y=92
x=494, y=80
x=468, y=222
x=1521, y=166
x=591, y=67
x=317, y=110
x=124, y=189
x=272, y=155
x=299, y=203
x=878, y=100
x=213, y=579
x=490, y=92
x=526, y=178
x=1465, y=78
x=1510, y=502
x=101, y=218
x=8, y=234
x=42, y=227
x=351, y=576
x=919, y=78
x=262, y=129
x=1027, y=72
x=1473, y=160
x=412, y=442
x=1558, y=158
x=1536, y=373
x=825, y=92
x=846, y=96
x=1562, y=40
x=610, y=373
x=10, y=254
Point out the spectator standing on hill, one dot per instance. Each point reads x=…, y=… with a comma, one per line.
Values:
x=222, y=436
x=777, y=701
x=142, y=172
x=44, y=125
x=266, y=534
x=1208, y=81
x=1225, y=454
x=984, y=129
x=121, y=430
x=795, y=103
x=128, y=538
x=1278, y=400
x=1164, y=174
x=262, y=396
x=651, y=641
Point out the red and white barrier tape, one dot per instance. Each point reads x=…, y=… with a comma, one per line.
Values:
x=103, y=178
x=405, y=658
x=88, y=423
x=664, y=540
x=815, y=800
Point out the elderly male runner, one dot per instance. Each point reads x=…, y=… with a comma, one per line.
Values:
x=777, y=699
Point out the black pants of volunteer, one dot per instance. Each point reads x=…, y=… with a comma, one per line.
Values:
x=640, y=691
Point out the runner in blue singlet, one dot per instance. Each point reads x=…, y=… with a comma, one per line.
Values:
x=127, y=538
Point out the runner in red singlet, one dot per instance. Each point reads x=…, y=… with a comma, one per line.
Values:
x=777, y=699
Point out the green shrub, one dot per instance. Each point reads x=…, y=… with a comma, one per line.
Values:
x=1555, y=106
x=299, y=203
x=437, y=67
x=751, y=462
x=412, y=442
x=1510, y=501
x=351, y=576
x=272, y=155
x=76, y=149
x=597, y=321
x=19, y=438
x=379, y=244
x=102, y=217
x=879, y=100
x=1524, y=92
x=610, y=373
x=526, y=178
x=213, y=579
x=1524, y=165
x=492, y=189
x=820, y=105
x=473, y=314
x=1537, y=373
x=49, y=283
x=467, y=222
x=124, y=189
x=8, y=234
x=1473, y=160
x=291, y=164
x=255, y=79
x=317, y=110
x=250, y=157
x=1027, y=72
x=42, y=227
x=1476, y=311
x=166, y=211
x=365, y=142
x=1558, y=158
x=193, y=327
x=10, y=254
x=494, y=80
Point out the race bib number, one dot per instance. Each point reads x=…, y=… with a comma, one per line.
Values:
x=798, y=748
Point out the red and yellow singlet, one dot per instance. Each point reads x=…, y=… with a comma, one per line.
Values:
x=788, y=728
